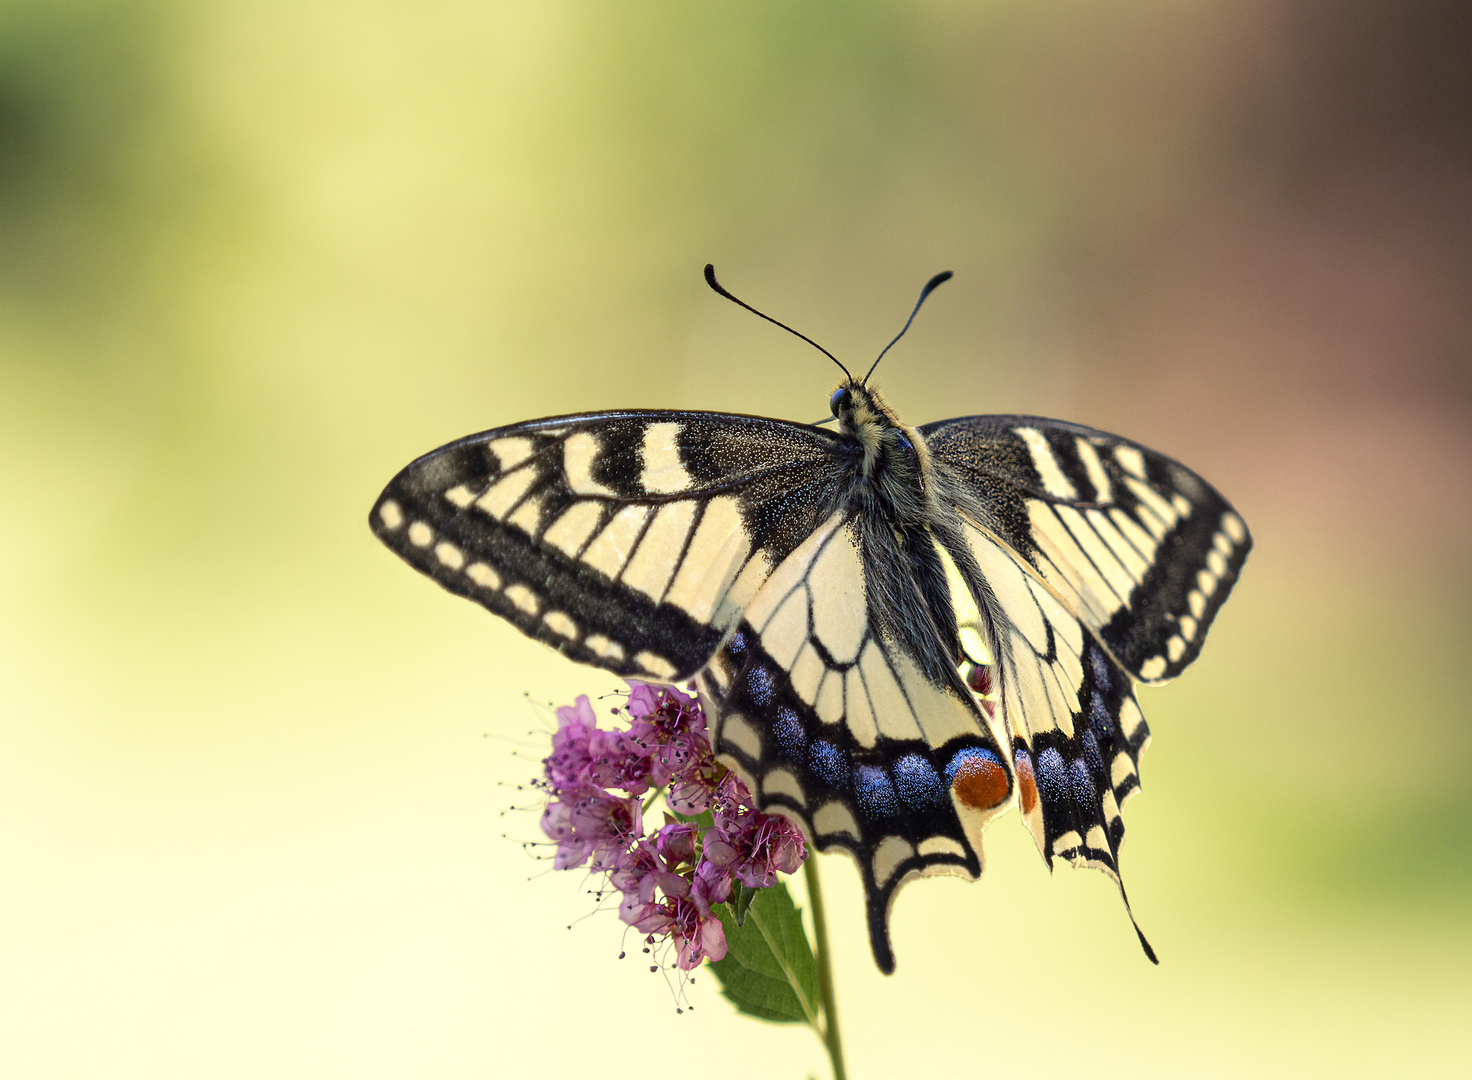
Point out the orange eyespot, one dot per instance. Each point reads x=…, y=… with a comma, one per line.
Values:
x=979, y=781
x=1026, y=783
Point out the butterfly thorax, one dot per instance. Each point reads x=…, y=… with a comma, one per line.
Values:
x=893, y=460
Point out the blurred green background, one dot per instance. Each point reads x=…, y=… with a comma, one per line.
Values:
x=255, y=256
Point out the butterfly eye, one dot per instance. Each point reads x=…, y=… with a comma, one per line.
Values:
x=839, y=399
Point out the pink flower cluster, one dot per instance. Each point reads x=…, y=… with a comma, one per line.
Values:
x=597, y=781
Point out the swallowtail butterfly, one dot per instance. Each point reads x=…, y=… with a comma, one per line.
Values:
x=896, y=632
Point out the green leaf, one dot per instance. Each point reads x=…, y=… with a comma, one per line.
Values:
x=740, y=902
x=702, y=821
x=768, y=970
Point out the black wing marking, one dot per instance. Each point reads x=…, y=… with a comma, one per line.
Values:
x=833, y=722
x=1142, y=549
x=628, y=540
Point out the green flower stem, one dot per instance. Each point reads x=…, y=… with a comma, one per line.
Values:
x=829, y=1033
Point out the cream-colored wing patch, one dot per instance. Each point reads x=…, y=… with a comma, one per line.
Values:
x=654, y=561
x=506, y=492
x=611, y=549
x=1092, y=576
x=664, y=470
x=715, y=557
x=511, y=451
x=1045, y=462
x=572, y=529
x=836, y=585
x=812, y=620
x=1098, y=475
x=579, y=453
x=1042, y=644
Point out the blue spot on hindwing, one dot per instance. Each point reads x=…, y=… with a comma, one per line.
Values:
x=830, y=763
x=917, y=782
x=788, y=731
x=1099, y=719
x=1052, y=783
x=759, y=686
x=1092, y=755
x=875, y=792
x=1085, y=795
x=1099, y=667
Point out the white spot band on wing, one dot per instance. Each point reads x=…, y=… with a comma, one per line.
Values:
x=608, y=650
x=941, y=845
x=483, y=575
x=782, y=782
x=559, y=622
x=523, y=598
x=390, y=514
x=739, y=731
x=655, y=665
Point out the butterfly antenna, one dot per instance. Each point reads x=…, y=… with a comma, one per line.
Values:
x=930, y=287
x=710, y=279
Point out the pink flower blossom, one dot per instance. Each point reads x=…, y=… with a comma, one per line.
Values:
x=668, y=880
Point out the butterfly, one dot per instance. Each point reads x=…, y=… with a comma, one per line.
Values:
x=896, y=632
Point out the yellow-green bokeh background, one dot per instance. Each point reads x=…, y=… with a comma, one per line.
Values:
x=255, y=256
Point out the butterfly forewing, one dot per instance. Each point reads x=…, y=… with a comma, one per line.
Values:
x=1139, y=547
x=631, y=541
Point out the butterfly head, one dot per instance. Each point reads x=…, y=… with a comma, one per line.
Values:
x=888, y=446
x=857, y=408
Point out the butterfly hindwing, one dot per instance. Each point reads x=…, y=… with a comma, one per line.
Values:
x=1076, y=732
x=1140, y=547
x=835, y=723
x=630, y=541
